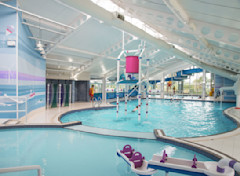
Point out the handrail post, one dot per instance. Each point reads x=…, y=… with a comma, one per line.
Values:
x=26, y=107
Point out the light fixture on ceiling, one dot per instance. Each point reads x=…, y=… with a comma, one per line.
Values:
x=42, y=51
x=39, y=44
x=70, y=59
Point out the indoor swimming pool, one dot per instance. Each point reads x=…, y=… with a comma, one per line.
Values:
x=176, y=118
x=62, y=152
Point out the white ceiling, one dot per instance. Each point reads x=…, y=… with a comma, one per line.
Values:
x=206, y=30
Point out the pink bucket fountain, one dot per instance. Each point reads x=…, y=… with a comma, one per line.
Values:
x=132, y=64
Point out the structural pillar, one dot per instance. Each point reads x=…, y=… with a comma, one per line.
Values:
x=204, y=85
x=162, y=86
x=59, y=94
x=237, y=93
x=104, y=95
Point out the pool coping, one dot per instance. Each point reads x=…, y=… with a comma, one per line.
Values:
x=204, y=150
x=224, y=101
x=84, y=109
x=39, y=125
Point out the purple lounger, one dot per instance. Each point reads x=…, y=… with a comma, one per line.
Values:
x=127, y=150
x=137, y=159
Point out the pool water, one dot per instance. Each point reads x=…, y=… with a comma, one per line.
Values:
x=63, y=152
x=176, y=118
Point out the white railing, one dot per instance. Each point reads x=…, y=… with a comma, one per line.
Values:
x=96, y=101
x=9, y=100
x=99, y=101
x=22, y=168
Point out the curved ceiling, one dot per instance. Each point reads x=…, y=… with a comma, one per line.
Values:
x=81, y=37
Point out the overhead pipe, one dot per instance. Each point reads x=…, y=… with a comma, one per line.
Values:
x=108, y=18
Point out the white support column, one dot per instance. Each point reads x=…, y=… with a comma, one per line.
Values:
x=147, y=98
x=17, y=108
x=126, y=98
x=171, y=91
x=48, y=96
x=204, y=85
x=118, y=75
x=59, y=94
x=70, y=94
x=104, y=95
x=237, y=93
x=162, y=86
x=189, y=83
x=139, y=88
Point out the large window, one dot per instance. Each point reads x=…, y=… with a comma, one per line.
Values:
x=97, y=85
x=193, y=84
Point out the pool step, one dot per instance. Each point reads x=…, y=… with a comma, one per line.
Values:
x=11, y=122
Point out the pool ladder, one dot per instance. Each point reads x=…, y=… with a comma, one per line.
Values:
x=22, y=168
x=96, y=102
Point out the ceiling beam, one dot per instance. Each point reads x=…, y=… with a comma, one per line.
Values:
x=43, y=40
x=82, y=20
x=43, y=28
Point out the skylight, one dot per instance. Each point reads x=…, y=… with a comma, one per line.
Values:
x=112, y=7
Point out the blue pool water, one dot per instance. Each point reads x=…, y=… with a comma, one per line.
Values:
x=177, y=118
x=62, y=152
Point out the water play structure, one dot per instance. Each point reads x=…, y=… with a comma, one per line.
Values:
x=133, y=66
x=138, y=164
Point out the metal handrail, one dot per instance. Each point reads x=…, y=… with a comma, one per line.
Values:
x=94, y=102
x=16, y=100
x=99, y=101
x=22, y=168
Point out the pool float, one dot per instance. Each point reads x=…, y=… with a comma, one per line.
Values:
x=138, y=164
x=136, y=161
x=189, y=167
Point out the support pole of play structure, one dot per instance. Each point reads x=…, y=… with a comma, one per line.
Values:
x=204, y=85
x=118, y=75
x=139, y=89
x=147, y=98
x=126, y=96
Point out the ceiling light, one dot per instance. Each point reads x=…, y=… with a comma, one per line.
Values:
x=40, y=49
x=70, y=59
x=39, y=44
x=42, y=52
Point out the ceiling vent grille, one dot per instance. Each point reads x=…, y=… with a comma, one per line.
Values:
x=119, y=16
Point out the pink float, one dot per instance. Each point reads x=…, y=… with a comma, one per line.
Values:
x=132, y=64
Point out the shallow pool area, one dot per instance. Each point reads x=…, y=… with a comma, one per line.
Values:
x=66, y=152
x=176, y=118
